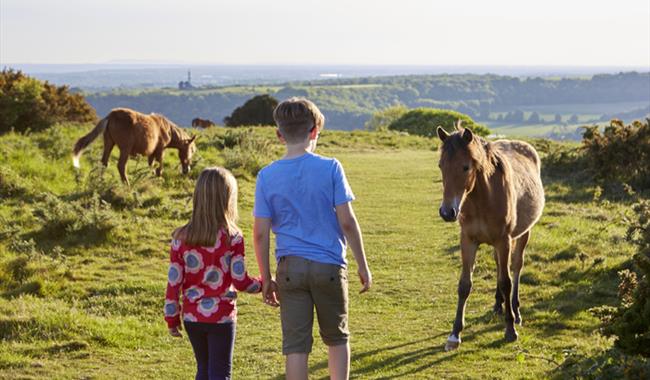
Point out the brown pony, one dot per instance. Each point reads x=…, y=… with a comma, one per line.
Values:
x=202, y=123
x=136, y=133
x=494, y=190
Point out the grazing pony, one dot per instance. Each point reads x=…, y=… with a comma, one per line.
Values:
x=202, y=123
x=136, y=133
x=494, y=190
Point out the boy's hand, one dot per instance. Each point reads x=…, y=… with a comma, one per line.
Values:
x=175, y=332
x=270, y=293
x=366, y=279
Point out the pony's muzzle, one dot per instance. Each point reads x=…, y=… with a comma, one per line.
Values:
x=448, y=214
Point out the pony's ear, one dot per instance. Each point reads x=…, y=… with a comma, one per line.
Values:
x=192, y=139
x=459, y=126
x=468, y=135
x=442, y=134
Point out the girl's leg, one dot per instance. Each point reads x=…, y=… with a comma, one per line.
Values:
x=221, y=342
x=199, y=339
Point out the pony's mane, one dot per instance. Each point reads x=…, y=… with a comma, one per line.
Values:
x=483, y=153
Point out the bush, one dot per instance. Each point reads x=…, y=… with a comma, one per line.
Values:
x=249, y=152
x=425, y=121
x=620, y=153
x=630, y=322
x=256, y=111
x=29, y=104
x=381, y=119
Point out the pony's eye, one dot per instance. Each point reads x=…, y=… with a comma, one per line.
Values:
x=465, y=168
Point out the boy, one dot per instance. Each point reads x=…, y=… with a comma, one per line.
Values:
x=305, y=198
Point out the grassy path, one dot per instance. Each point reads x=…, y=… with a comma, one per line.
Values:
x=103, y=320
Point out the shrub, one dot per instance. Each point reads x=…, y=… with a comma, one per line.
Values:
x=425, y=121
x=381, y=119
x=256, y=111
x=84, y=215
x=620, y=153
x=249, y=153
x=630, y=322
x=29, y=104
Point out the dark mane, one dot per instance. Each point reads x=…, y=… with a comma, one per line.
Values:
x=485, y=156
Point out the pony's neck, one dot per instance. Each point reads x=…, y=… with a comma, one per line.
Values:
x=177, y=137
x=487, y=167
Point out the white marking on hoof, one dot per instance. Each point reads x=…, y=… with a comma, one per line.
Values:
x=75, y=162
x=453, y=342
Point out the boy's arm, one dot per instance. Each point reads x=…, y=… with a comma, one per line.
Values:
x=261, y=242
x=352, y=231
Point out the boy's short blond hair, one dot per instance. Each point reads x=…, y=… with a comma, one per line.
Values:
x=296, y=117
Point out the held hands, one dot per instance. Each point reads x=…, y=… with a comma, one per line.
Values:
x=270, y=293
x=366, y=279
x=176, y=332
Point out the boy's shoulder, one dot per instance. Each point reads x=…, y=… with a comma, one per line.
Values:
x=316, y=160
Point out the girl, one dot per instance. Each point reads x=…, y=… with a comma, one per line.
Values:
x=207, y=257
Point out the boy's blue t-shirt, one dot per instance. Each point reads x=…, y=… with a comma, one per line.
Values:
x=299, y=195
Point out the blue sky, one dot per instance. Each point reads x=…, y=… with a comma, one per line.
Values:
x=412, y=32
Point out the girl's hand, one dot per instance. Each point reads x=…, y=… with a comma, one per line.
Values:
x=176, y=332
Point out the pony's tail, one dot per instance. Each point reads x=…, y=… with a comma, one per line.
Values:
x=83, y=142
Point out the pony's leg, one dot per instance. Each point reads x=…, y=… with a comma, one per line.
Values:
x=503, y=248
x=108, y=148
x=517, y=264
x=468, y=254
x=498, y=297
x=158, y=154
x=121, y=165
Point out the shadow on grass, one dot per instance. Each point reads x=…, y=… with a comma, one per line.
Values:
x=47, y=239
x=582, y=289
x=397, y=358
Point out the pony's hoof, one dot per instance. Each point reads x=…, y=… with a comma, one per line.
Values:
x=453, y=343
x=498, y=309
x=511, y=335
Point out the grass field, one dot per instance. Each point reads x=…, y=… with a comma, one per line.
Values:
x=86, y=301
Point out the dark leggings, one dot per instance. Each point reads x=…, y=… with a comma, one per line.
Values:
x=213, y=344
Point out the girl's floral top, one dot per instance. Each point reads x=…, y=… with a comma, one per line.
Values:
x=206, y=276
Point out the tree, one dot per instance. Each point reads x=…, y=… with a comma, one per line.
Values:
x=381, y=119
x=425, y=121
x=29, y=104
x=256, y=111
x=534, y=118
x=573, y=119
x=558, y=119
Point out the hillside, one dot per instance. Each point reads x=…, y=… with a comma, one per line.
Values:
x=90, y=259
x=501, y=102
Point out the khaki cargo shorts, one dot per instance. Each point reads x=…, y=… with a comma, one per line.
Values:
x=304, y=284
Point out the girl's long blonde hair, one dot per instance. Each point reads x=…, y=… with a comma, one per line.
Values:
x=214, y=208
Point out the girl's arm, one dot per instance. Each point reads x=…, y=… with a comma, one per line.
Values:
x=174, y=285
x=240, y=278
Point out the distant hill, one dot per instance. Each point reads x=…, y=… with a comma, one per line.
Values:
x=348, y=103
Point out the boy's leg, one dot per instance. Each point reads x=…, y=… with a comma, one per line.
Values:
x=221, y=342
x=339, y=361
x=296, y=314
x=330, y=292
x=296, y=366
x=199, y=341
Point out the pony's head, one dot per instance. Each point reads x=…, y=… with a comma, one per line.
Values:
x=461, y=158
x=186, y=150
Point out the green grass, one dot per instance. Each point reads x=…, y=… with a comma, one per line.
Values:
x=97, y=312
